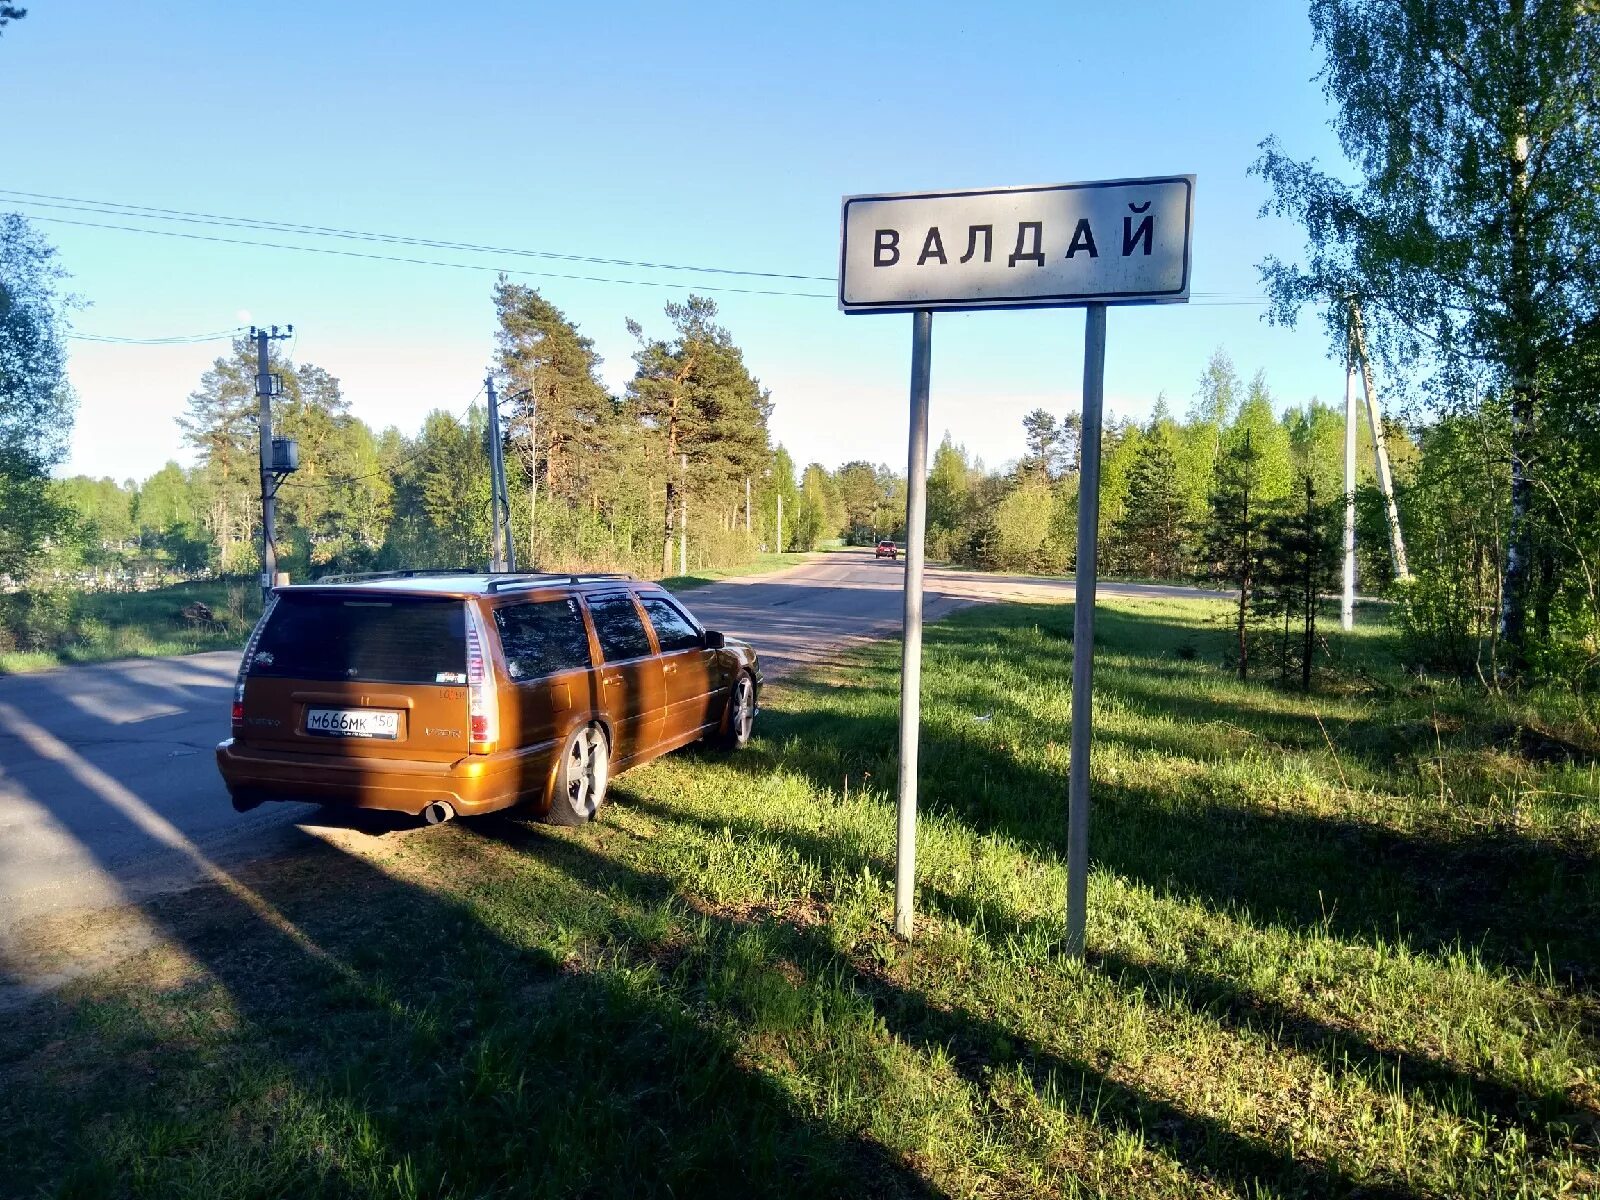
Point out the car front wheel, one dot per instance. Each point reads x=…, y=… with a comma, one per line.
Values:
x=740, y=721
x=581, y=777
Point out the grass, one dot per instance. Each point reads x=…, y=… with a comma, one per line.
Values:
x=762, y=564
x=1340, y=945
x=98, y=626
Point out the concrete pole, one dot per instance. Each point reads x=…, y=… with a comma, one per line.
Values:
x=1397, y=541
x=905, y=858
x=747, y=504
x=1347, y=601
x=1085, y=576
x=780, y=521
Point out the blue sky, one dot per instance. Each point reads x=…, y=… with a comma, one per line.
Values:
x=713, y=134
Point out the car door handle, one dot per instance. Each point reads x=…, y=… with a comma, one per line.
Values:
x=612, y=680
x=670, y=668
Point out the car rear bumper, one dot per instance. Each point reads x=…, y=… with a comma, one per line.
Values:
x=472, y=784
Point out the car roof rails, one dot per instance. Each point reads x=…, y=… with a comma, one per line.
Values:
x=363, y=576
x=532, y=579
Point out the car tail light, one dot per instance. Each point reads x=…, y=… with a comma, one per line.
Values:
x=482, y=708
x=244, y=663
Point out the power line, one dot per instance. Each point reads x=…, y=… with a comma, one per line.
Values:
x=134, y=211
x=176, y=339
x=119, y=209
x=430, y=262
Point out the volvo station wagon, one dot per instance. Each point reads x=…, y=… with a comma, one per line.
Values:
x=441, y=694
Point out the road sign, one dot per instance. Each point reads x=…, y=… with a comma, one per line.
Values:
x=1083, y=245
x=1123, y=241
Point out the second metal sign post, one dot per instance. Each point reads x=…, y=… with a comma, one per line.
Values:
x=1081, y=245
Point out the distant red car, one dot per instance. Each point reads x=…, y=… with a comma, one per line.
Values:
x=887, y=549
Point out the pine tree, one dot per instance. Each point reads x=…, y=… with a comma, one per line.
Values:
x=1232, y=539
x=1149, y=536
x=1299, y=564
x=695, y=397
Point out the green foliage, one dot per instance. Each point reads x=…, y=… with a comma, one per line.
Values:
x=1234, y=537
x=1150, y=535
x=36, y=402
x=1455, y=506
x=1300, y=564
x=1023, y=529
x=1473, y=131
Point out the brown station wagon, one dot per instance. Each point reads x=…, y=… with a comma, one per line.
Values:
x=442, y=693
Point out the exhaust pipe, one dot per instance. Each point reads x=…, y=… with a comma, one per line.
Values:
x=439, y=812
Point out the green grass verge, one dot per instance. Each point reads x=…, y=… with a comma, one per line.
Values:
x=1340, y=945
x=762, y=564
x=99, y=626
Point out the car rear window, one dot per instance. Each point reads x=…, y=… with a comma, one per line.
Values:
x=385, y=640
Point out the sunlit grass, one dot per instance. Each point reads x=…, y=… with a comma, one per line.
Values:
x=103, y=626
x=1340, y=944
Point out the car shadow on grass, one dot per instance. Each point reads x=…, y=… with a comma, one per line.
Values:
x=323, y=1025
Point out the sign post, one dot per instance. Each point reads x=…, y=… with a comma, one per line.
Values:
x=905, y=844
x=1073, y=245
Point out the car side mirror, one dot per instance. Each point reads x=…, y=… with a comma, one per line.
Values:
x=715, y=640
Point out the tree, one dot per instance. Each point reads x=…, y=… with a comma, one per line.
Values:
x=1042, y=436
x=558, y=413
x=813, y=519
x=36, y=402
x=1299, y=564
x=1232, y=538
x=1467, y=237
x=949, y=495
x=861, y=496
x=1274, y=476
x=694, y=395
x=1149, y=534
x=9, y=13
x=1022, y=527
x=222, y=425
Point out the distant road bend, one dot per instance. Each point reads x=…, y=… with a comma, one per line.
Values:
x=109, y=794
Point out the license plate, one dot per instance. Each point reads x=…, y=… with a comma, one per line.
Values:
x=353, y=722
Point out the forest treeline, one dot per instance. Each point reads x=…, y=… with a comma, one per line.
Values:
x=600, y=481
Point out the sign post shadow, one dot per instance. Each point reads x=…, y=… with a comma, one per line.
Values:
x=1080, y=245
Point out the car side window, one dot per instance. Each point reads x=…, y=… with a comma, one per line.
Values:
x=673, y=630
x=542, y=638
x=619, y=627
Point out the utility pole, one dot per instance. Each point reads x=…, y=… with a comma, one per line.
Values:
x=747, y=504
x=683, y=514
x=1347, y=600
x=1397, y=541
x=268, y=385
x=780, y=520
x=503, y=555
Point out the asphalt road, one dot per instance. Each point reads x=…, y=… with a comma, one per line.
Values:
x=109, y=793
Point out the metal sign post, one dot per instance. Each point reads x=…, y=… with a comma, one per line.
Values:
x=1084, y=578
x=1073, y=245
x=905, y=846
